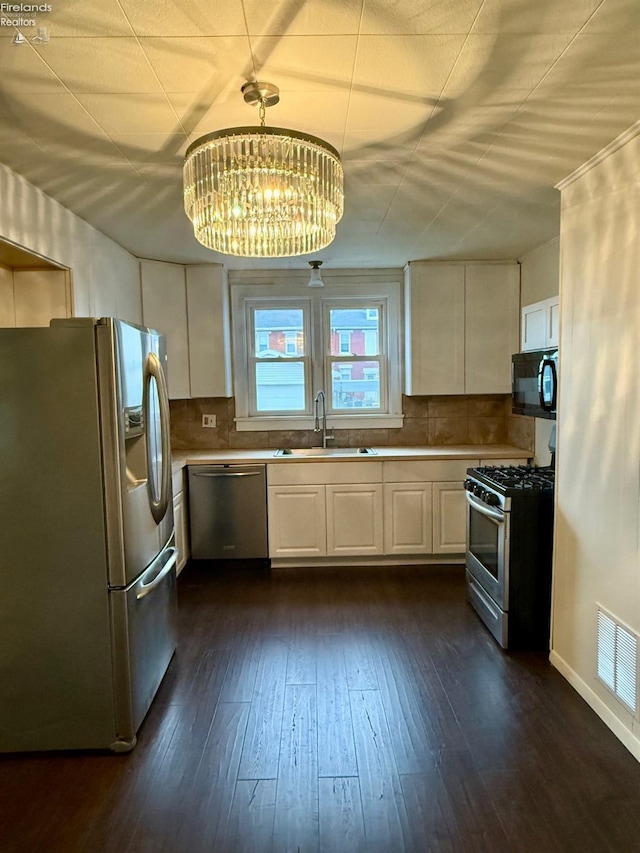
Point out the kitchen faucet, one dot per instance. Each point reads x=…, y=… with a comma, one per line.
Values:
x=320, y=423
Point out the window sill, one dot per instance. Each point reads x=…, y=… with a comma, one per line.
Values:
x=306, y=423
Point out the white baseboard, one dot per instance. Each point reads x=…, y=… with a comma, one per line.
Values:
x=624, y=734
x=309, y=562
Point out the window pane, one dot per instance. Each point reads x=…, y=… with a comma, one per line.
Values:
x=282, y=329
x=280, y=386
x=354, y=331
x=355, y=385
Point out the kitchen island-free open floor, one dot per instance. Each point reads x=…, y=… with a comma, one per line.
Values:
x=337, y=709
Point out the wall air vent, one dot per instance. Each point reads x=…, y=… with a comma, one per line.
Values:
x=618, y=659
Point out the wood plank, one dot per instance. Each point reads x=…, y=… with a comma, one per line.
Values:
x=341, y=822
x=261, y=750
x=336, y=747
x=385, y=818
x=252, y=814
x=296, y=817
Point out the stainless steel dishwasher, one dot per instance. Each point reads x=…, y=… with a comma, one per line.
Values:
x=228, y=512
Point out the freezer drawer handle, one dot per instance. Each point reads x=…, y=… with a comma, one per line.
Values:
x=227, y=474
x=146, y=588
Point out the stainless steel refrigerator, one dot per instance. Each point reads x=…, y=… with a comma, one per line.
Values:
x=87, y=556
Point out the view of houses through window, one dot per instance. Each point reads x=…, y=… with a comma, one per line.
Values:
x=351, y=344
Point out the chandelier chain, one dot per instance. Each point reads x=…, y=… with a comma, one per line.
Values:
x=262, y=111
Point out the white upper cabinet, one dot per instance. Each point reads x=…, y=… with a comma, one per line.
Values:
x=164, y=308
x=209, y=330
x=461, y=327
x=492, y=305
x=434, y=328
x=191, y=306
x=540, y=324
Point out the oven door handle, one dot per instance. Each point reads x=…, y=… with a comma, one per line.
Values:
x=483, y=509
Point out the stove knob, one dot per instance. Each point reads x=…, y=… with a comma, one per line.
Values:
x=469, y=484
x=491, y=499
x=480, y=492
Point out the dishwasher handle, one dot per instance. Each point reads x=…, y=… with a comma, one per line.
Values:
x=226, y=473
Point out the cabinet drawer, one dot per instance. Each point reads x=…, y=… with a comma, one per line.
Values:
x=428, y=471
x=322, y=473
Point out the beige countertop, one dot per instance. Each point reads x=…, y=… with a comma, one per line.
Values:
x=465, y=451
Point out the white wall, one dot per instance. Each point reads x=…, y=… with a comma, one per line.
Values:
x=597, y=550
x=105, y=277
x=540, y=272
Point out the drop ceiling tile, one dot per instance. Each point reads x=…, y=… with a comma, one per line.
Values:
x=131, y=113
x=360, y=146
x=375, y=113
x=185, y=17
x=58, y=118
x=415, y=64
x=601, y=62
x=143, y=149
x=305, y=63
x=489, y=64
x=523, y=16
x=380, y=173
x=79, y=18
x=24, y=69
x=108, y=65
x=419, y=17
x=615, y=16
x=204, y=65
x=284, y=17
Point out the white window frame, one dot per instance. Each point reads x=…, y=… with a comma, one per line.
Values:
x=331, y=361
x=271, y=296
x=253, y=358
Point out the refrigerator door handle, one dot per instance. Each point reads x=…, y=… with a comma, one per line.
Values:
x=153, y=371
x=146, y=588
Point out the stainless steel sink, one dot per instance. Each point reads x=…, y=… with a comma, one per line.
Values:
x=326, y=451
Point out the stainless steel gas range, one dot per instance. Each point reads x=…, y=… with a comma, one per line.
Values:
x=509, y=552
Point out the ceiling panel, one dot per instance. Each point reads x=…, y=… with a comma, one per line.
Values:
x=543, y=16
x=414, y=17
x=184, y=17
x=80, y=18
x=140, y=113
x=109, y=65
x=198, y=64
x=296, y=18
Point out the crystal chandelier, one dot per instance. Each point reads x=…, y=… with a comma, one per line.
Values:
x=263, y=192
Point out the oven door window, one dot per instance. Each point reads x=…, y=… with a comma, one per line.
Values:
x=484, y=541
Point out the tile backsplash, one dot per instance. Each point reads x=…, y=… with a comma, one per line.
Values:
x=472, y=419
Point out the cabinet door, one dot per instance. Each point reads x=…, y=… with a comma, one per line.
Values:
x=492, y=312
x=533, y=327
x=449, y=518
x=297, y=521
x=180, y=521
x=164, y=307
x=553, y=322
x=209, y=332
x=354, y=520
x=435, y=328
x=407, y=518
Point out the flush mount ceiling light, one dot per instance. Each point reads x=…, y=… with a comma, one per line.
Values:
x=263, y=192
x=316, y=278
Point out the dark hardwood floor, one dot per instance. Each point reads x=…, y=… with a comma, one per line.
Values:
x=337, y=710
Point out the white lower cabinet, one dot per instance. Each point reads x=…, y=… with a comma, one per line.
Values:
x=449, y=518
x=407, y=518
x=354, y=520
x=297, y=521
x=180, y=521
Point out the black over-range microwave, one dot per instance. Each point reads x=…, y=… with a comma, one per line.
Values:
x=534, y=383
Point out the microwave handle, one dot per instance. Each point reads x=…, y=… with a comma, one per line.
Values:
x=551, y=405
